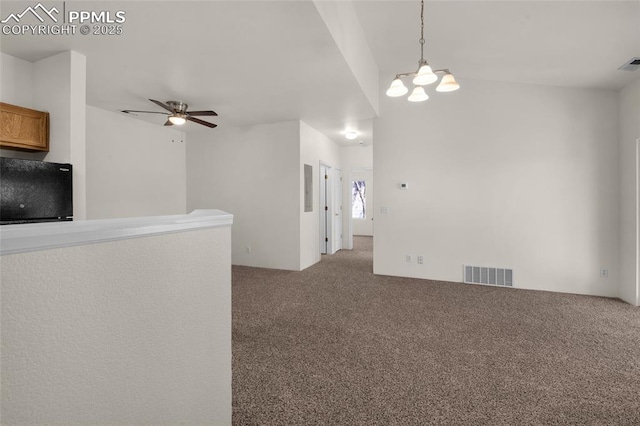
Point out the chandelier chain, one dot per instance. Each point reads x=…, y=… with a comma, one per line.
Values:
x=421, y=31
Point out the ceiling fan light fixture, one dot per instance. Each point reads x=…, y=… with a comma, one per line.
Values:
x=178, y=120
x=447, y=84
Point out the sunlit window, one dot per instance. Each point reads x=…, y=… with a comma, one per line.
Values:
x=358, y=198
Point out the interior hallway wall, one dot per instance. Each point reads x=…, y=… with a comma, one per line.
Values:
x=315, y=147
x=629, y=187
x=253, y=173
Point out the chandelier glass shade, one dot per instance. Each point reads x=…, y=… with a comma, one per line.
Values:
x=424, y=76
x=447, y=84
x=418, y=95
x=397, y=88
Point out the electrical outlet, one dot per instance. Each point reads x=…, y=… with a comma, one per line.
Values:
x=420, y=260
x=408, y=257
x=248, y=249
x=604, y=272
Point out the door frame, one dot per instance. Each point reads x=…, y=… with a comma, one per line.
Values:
x=349, y=240
x=326, y=209
x=328, y=218
x=338, y=211
x=637, y=217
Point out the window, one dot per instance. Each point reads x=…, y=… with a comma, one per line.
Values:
x=358, y=200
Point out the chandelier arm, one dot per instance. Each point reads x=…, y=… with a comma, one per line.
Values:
x=406, y=74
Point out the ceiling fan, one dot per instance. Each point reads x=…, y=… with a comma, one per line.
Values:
x=178, y=113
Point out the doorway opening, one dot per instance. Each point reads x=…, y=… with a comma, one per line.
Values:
x=360, y=204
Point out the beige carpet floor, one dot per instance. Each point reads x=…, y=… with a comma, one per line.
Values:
x=336, y=345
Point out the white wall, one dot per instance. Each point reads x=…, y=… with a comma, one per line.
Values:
x=629, y=250
x=529, y=182
x=134, y=168
x=78, y=132
x=16, y=80
x=252, y=173
x=354, y=158
x=127, y=332
x=52, y=88
x=59, y=87
x=16, y=88
x=315, y=147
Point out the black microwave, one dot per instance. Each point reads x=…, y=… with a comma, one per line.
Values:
x=35, y=191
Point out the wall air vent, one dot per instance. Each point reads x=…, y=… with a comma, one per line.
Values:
x=631, y=65
x=488, y=275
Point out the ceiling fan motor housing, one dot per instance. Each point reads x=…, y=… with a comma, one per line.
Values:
x=178, y=107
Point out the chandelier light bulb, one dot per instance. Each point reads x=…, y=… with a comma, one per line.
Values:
x=448, y=84
x=397, y=88
x=425, y=76
x=418, y=95
x=177, y=120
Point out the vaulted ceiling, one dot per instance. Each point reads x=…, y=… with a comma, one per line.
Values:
x=266, y=61
x=559, y=43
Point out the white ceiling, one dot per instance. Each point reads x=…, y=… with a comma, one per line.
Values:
x=578, y=43
x=268, y=61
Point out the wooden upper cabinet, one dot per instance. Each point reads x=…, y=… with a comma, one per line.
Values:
x=23, y=128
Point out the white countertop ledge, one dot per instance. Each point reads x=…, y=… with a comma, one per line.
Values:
x=44, y=236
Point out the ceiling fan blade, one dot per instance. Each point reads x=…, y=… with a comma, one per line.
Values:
x=204, y=123
x=202, y=113
x=129, y=111
x=168, y=123
x=167, y=107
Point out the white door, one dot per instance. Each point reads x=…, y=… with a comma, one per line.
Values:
x=337, y=210
x=324, y=208
x=638, y=219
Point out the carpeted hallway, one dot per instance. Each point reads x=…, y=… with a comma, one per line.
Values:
x=336, y=345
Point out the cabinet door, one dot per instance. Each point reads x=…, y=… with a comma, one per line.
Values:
x=23, y=128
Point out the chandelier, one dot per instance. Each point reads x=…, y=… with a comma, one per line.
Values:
x=423, y=76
